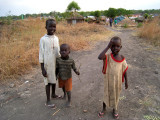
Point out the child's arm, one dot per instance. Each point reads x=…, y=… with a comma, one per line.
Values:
x=102, y=54
x=41, y=57
x=77, y=72
x=75, y=69
x=44, y=73
x=57, y=69
x=126, y=80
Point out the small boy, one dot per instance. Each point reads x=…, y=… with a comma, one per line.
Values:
x=48, y=52
x=64, y=64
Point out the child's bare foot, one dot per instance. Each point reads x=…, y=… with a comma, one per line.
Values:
x=115, y=114
x=69, y=104
x=56, y=96
x=49, y=104
x=101, y=114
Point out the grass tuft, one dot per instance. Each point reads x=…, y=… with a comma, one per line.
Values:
x=151, y=31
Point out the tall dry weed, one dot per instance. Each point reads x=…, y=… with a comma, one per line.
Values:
x=19, y=42
x=151, y=31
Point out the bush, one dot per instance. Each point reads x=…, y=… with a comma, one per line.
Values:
x=125, y=25
x=139, y=25
x=151, y=31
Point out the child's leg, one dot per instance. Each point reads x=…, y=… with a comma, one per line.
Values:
x=69, y=98
x=104, y=107
x=68, y=88
x=64, y=91
x=115, y=113
x=100, y=114
x=53, y=91
x=48, y=103
x=48, y=93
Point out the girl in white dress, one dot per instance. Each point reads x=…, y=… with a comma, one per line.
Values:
x=48, y=52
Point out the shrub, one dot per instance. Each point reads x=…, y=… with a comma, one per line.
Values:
x=151, y=31
x=125, y=25
x=139, y=25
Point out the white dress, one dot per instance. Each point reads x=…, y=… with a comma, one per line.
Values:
x=48, y=52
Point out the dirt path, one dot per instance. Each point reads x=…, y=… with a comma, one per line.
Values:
x=140, y=101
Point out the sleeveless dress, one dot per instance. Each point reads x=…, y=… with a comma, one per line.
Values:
x=114, y=72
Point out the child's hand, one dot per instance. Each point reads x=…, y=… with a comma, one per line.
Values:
x=110, y=44
x=44, y=73
x=126, y=85
x=77, y=72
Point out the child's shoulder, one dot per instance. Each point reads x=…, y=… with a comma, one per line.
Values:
x=58, y=58
x=122, y=57
x=43, y=37
x=55, y=36
x=70, y=59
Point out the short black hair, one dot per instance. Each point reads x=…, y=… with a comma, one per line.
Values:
x=116, y=38
x=49, y=20
x=62, y=45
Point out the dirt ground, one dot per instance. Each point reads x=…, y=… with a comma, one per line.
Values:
x=25, y=99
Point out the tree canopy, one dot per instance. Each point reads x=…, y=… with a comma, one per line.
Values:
x=73, y=6
x=111, y=12
x=97, y=14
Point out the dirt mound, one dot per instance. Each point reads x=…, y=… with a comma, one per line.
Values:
x=127, y=22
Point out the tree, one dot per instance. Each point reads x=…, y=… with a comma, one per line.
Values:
x=105, y=12
x=121, y=11
x=146, y=15
x=128, y=13
x=111, y=12
x=73, y=6
x=97, y=14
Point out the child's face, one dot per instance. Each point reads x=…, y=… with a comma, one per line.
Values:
x=116, y=47
x=64, y=51
x=51, y=27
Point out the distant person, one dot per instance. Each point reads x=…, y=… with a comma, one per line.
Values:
x=115, y=22
x=107, y=21
x=110, y=21
x=64, y=65
x=48, y=52
x=114, y=70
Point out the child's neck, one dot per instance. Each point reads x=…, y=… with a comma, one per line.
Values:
x=118, y=56
x=65, y=58
x=49, y=34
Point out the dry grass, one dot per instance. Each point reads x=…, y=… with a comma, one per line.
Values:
x=19, y=43
x=151, y=31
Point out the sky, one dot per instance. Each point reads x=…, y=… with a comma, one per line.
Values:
x=18, y=7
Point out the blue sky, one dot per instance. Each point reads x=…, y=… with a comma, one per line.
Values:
x=18, y=7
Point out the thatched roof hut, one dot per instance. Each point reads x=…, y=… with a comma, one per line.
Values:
x=75, y=18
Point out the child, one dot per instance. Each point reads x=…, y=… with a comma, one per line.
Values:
x=114, y=70
x=49, y=50
x=64, y=64
x=115, y=22
x=110, y=21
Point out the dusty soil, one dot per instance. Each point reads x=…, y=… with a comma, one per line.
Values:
x=25, y=99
